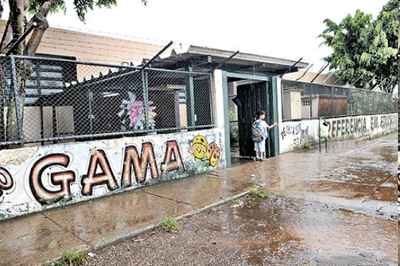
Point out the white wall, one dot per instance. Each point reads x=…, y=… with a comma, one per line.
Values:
x=294, y=134
x=37, y=178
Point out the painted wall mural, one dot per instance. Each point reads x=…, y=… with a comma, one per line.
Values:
x=6, y=181
x=294, y=134
x=55, y=175
x=298, y=131
x=132, y=113
x=361, y=126
x=202, y=151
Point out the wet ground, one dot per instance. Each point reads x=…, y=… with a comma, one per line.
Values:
x=275, y=231
x=335, y=208
x=331, y=208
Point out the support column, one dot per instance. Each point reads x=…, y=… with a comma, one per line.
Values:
x=221, y=110
x=277, y=107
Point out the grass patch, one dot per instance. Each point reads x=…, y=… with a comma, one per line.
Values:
x=71, y=258
x=169, y=225
x=307, y=146
x=236, y=201
x=258, y=193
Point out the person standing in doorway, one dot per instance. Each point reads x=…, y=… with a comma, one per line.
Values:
x=260, y=134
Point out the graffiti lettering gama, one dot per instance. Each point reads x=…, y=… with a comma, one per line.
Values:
x=135, y=168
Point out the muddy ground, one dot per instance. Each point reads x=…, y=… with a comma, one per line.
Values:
x=335, y=208
x=275, y=231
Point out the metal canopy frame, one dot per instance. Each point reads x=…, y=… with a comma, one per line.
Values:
x=207, y=59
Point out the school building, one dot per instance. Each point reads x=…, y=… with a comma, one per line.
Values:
x=100, y=115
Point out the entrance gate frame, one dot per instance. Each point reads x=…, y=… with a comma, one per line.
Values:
x=220, y=81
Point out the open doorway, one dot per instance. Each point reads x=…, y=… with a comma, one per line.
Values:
x=246, y=97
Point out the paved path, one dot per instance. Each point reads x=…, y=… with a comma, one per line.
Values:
x=354, y=176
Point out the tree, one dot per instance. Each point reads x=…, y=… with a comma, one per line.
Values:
x=364, y=50
x=23, y=37
x=389, y=20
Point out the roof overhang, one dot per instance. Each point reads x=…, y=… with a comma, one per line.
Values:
x=203, y=58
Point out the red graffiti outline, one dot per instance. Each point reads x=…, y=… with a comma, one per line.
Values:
x=172, y=146
x=154, y=169
x=9, y=181
x=95, y=176
x=53, y=176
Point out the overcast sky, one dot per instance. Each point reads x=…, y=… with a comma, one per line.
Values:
x=280, y=28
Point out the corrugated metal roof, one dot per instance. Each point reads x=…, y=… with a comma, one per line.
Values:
x=179, y=55
x=244, y=56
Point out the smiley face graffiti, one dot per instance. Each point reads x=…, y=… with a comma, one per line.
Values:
x=203, y=151
x=200, y=147
x=6, y=180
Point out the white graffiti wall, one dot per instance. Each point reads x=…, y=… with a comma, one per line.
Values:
x=37, y=178
x=297, y=134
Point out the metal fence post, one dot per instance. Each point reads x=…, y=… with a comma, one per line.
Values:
x=332, y=103
x=211, y=98
x=145, y=82
x=190, y=98
x=17, y=100
x=91, y=115
x=2, y=113
x=319, y=133
x=5, y=96
x=311, y=102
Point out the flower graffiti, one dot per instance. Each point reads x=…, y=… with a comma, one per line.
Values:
x=203, y=151
x=6, y=180
x=133, y=113
x=214, y=153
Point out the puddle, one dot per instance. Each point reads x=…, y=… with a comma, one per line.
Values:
x=296, y=228
x=347, y=190
x=388, y=153
x=275, y=231
x=371, y=176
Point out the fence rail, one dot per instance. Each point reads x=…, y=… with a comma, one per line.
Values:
x=303, y=100
x=47, y=99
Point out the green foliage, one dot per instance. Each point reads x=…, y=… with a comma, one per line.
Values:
x=258, y=193
x=73, y=258
x=364, y=50
x=235, y=201
x=307, y=145
x=389, y=18
x=82, y=7
x=169, y=225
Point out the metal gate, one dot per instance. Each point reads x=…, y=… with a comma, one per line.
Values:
x=251, y=98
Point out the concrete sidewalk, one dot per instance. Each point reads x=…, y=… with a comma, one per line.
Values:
x=41, y=237
x=347, y=177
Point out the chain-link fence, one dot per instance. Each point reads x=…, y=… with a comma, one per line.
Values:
x=303, y=100
x=46, y=100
